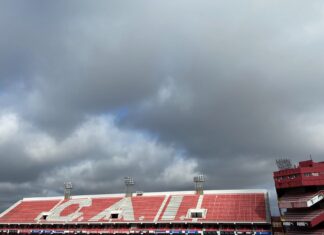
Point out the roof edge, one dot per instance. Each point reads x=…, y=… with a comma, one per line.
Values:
x=206, y=192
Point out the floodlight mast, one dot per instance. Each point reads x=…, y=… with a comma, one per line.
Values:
x=199, y=184
x=129, y=183
x=67, y=190
x=284, y=164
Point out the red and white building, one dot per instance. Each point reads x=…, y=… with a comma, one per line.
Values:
x=300, y=191
x=213, y=212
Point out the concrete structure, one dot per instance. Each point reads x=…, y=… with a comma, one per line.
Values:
x=300, y=191
x=213, y=212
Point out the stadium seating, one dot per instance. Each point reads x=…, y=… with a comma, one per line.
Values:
x=235, y=207
x=27, y=211
x=217, y=206
x=187, y=203
x=146, y=208
x=98, y=204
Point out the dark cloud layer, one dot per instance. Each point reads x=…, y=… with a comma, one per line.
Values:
x=93, y=91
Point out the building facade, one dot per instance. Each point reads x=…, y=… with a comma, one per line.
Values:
x=300, y=192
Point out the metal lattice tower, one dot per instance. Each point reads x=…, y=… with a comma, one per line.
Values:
x=129, y=183
x=67, y=190
x=199, y=183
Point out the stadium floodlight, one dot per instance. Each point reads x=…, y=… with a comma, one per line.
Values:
x=67, y=190
x=199, y=183
x=199, y=178
x=68, y=185
x=283, y=164
x=129, y=182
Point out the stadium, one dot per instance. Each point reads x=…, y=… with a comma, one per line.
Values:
x=96, y=92
x=185, y=212
x=210, y=212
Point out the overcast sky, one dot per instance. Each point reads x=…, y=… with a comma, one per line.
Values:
x=92, y=91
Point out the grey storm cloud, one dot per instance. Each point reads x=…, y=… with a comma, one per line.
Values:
x=93, y=91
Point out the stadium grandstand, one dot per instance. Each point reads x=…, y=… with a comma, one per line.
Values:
x=210, y=212
x=300, y=192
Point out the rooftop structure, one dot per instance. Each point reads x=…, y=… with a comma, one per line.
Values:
x=307, y=173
